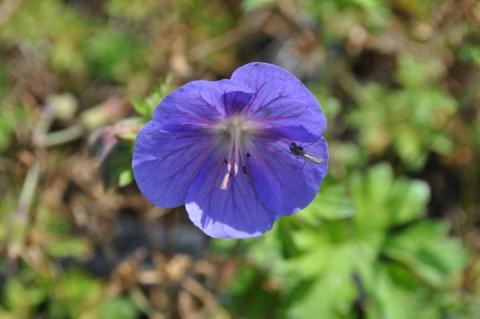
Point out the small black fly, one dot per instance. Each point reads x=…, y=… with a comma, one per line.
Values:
x=297, y=150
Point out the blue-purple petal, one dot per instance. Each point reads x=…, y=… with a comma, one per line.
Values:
x=236, y=212
x=272, y=85
x=284, y=182
x=165, y=163
x=197, y=103
x=236, y=101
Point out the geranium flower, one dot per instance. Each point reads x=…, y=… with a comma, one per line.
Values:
x=224, y=149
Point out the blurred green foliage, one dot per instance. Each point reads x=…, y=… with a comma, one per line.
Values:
x=393, y=232
x=377, y=251
x=411, y=120
x=42, y=287
x=73, y=294
x=11, y=116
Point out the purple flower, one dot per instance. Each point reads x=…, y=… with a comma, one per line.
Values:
x=233, y=151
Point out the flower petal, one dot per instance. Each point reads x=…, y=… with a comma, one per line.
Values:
x=282, y=121
x=273, y=85
x=235, y=212
x=165, y=163
x=196, y=104
x=284, y=182
x=235, y=101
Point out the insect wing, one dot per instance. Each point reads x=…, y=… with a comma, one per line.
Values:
x=312, y=158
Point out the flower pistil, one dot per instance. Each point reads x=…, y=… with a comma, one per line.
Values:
x=235, y=135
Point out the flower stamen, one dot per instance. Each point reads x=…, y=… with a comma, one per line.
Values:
x=225, y=180
x=237, y=129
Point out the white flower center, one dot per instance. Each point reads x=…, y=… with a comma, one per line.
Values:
x=234, y=134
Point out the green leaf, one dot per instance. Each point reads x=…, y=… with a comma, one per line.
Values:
x=9, y=119
x=313, y=263
x=117, y=161
x=380, y=201
x=410, y=120
x=389, y=301
x=125, y=178
x=145, y=107
x=332, y=202
x=409, y=200
x=74, y=293
x=114, y=54
x=413, y=72
x=21, y=299
x=253, y=298
x=334, y=291
x=370, y=194
x=67, y=247
x=425, y=248
x=250, y=5
x=119, y=307
x=5, y=133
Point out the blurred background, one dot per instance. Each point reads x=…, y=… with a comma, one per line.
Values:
x=394, y=232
